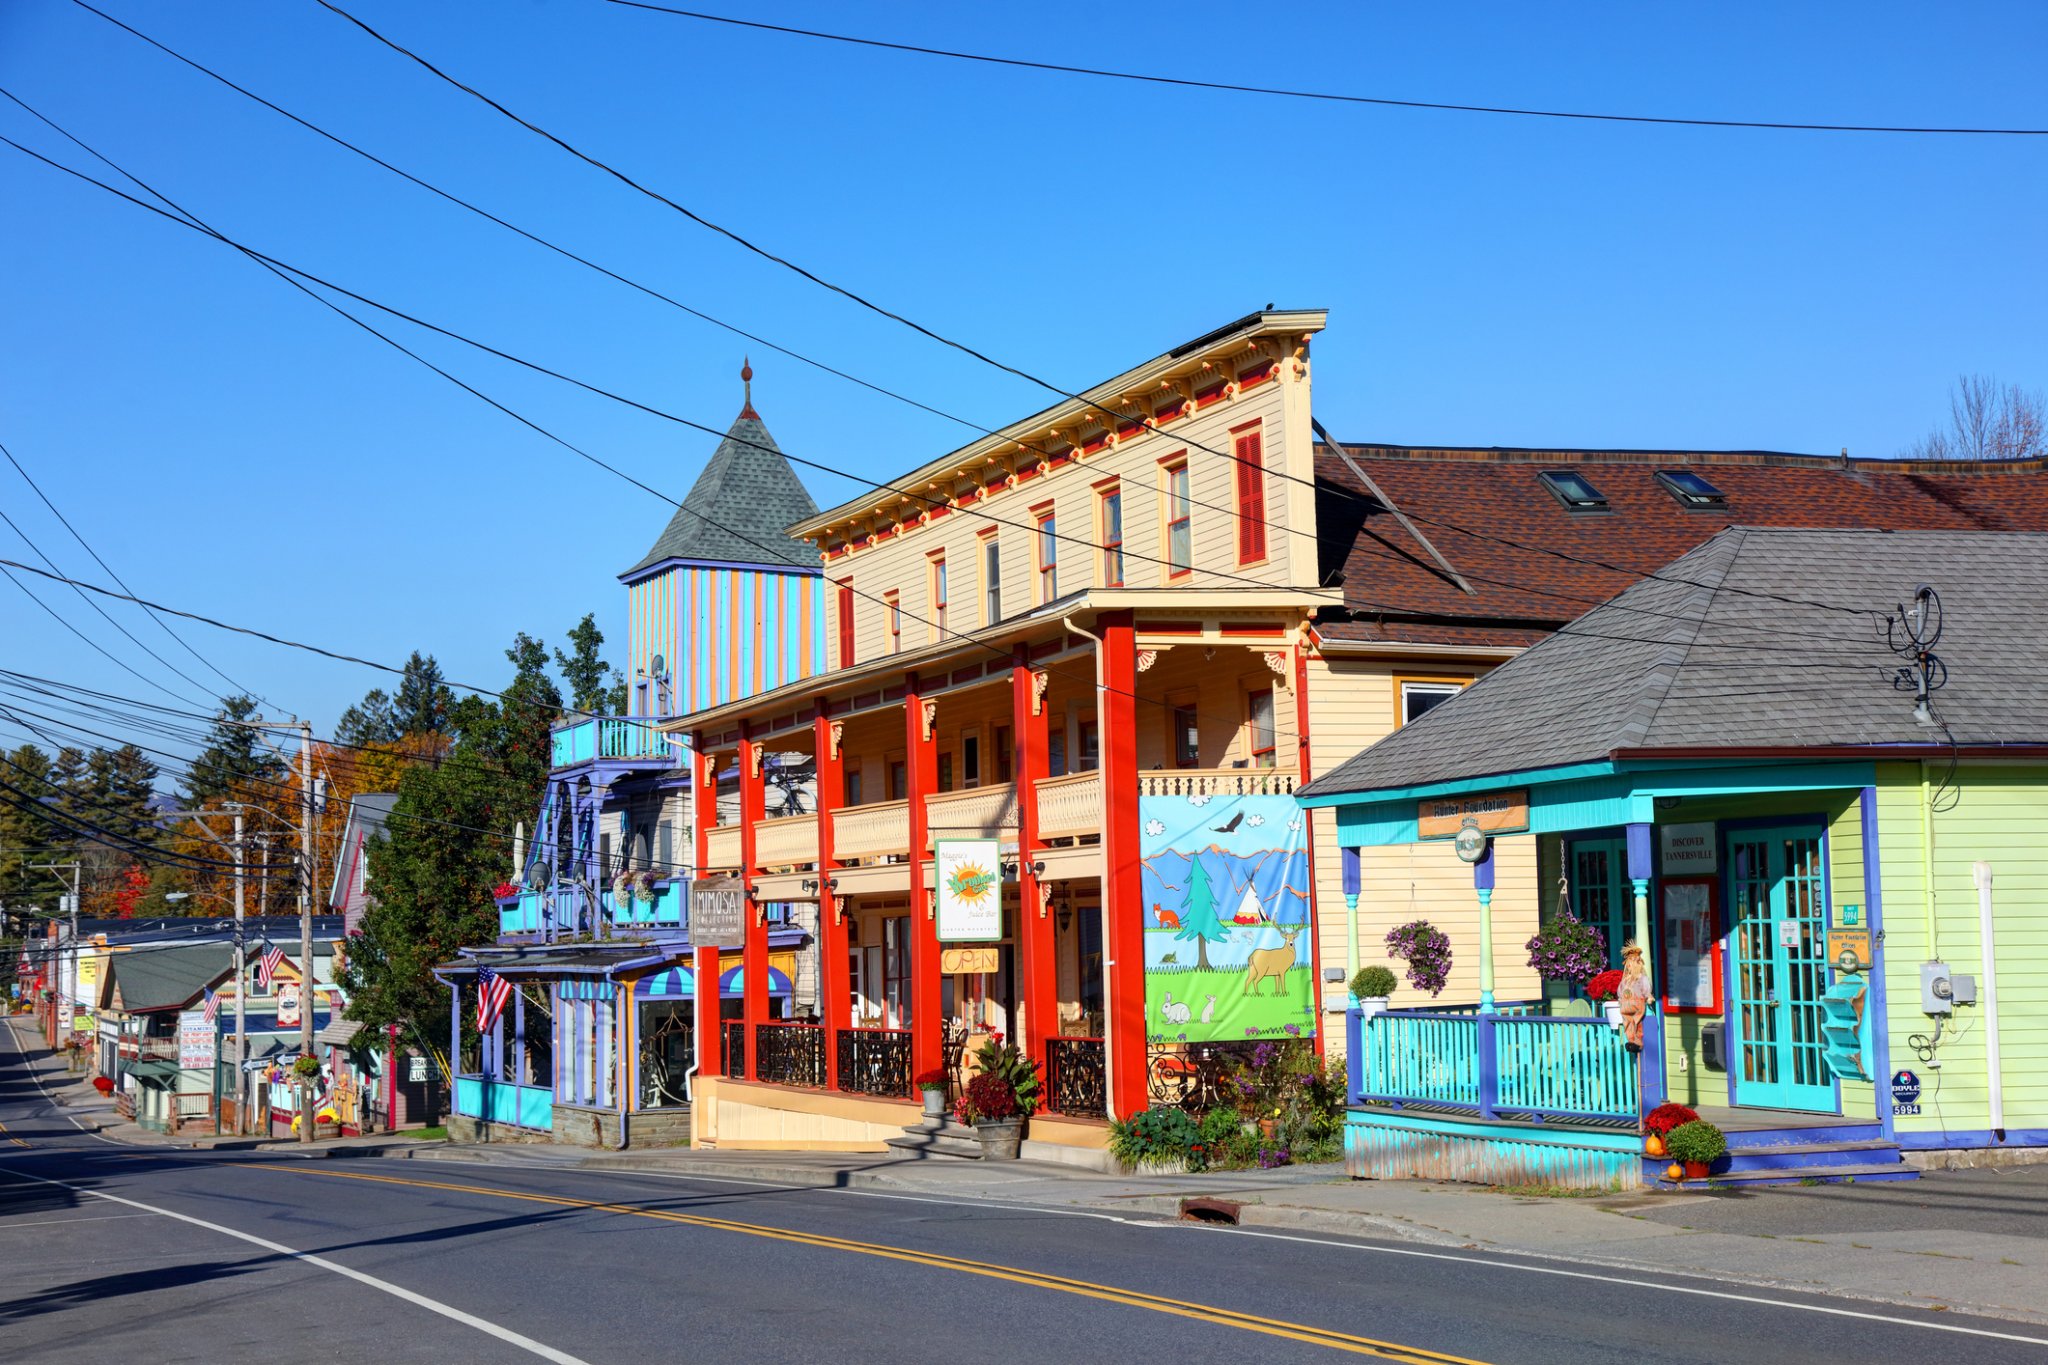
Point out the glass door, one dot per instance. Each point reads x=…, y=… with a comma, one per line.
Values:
x=1778, y=924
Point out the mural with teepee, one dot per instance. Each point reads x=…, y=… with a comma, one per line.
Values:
x=1228, y=952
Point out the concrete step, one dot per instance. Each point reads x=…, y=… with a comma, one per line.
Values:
x=943, y=1136
x=1792, y=1155
x=1793, y=1175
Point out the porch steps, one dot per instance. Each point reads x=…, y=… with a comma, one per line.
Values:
x=944, y=1136
x=1750, y=1163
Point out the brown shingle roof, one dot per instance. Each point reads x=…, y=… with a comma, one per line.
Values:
x=1534, y=565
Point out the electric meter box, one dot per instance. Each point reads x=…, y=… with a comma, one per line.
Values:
x=1962, y=990
x=1935, y=988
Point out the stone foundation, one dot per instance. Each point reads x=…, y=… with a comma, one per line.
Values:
x=598, y=1129
x=462, y=1128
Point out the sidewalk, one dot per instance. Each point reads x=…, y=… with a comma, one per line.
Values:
x=1968, y=1241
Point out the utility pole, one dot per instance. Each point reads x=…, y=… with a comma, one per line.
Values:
x=306, y=843
x=241, y=991
x=77, y=870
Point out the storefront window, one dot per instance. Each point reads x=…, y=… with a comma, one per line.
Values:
x=668, y=1046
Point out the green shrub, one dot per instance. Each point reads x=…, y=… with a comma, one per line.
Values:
x=1698, y=1141
x=1373, y=983
x=1160, y=1133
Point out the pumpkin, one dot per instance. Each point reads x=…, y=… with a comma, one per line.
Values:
x=1654, y=1145
x=1674, y=1172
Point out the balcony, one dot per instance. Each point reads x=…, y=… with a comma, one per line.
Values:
x=872, y=831
x=983, y=812
x=1219, y=782
x=789, y=842
x=615, y=740
x=722, y=847
x=1070, y=806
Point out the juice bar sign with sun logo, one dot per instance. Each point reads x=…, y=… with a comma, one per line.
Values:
x=969, y=877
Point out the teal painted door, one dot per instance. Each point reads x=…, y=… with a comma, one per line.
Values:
x=1601, y=893
x=1778, y=932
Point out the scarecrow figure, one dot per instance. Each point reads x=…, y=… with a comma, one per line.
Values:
x=1633, y=995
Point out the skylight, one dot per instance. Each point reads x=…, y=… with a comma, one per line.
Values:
x=1572, y=489
x=1690, y=489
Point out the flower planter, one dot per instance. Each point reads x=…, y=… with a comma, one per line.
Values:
x=1369, y=1005
x=934, y=1104
x=1269, y=1129
x=1001, y=1139
x=1697, y=1170
x=1613, y=1011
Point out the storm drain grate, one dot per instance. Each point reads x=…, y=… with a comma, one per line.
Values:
x=1220, y=1211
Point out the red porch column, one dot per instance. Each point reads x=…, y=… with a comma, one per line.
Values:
x=1298, y=663
x=835, y=992
x=703, y=802
x=754, y=976
x=921, y=767
x=1122, y=892
x=1038, y=988
x=710, y=1040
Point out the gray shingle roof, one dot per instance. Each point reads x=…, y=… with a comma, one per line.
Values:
x=168, y=978
x=739, y=509
x=1696, y=659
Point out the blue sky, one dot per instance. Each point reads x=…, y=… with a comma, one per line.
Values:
x=230, y=447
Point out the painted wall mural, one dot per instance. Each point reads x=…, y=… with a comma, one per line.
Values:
x=1227, y=950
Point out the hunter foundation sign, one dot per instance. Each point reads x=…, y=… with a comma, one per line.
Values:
x=1441, y=817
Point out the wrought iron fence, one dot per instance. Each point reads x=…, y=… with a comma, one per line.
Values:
x=1189, y=1076
x=1076, y=1080
x=790, y=1054
x=732, y=1043
x=874, y=1061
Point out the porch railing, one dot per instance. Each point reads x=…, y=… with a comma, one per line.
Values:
x=1068, y=806
x=1218, y=782
x=1076, y=1079
x=979, y=812
x=874, y=830
x=607, y=737
x=521, y=1106
x=1494, y=1065
x=789, y=842
x=722, y=847
x=732, y=1046
x=790, y=1054
x=874, y=1061
x=667, y=908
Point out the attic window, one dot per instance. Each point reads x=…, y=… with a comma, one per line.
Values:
x=1690, y=489
x=1573, y=490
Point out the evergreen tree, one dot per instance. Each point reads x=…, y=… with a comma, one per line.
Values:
x=432, y=878
x=235, y=762
x=1198, y=914
x=370, y=721
x=424, y=703
x=26, y=835
x=123, y=793
x=586, y=673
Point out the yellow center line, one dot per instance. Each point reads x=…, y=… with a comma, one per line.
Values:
x=11, y=1137
x=1293, y=1331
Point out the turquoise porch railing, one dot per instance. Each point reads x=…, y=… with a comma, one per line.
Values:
x=668, y=909
x=1495, y=1065
x=521, y=916
x=607, y=737
x=519, y=1106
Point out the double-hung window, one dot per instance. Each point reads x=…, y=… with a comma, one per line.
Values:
x=1048, y=557
x=1180, y=546
x=1112, y=531
x=992, y=582
x=938, y=594
x=894, y=601
x=1260, y=728
x=846, y=623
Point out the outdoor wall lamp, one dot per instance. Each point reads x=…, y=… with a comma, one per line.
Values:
x=1065, y=916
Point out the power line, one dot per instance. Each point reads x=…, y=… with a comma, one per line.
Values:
x=1328, y=97
x=75, y=535
x=1146, y=423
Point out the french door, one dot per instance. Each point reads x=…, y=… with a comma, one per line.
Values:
x=1779, y=924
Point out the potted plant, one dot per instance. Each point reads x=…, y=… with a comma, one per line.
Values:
x=1427, y=951
x=103, y=1084
x=1696, y=1146
x=1601, y=989
x=1658, y=1123
x=990, y=1107
x=1370, y=988
x=643, y=887
x=933, y=1083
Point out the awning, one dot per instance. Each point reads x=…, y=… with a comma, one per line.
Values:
x=155, y=1069
x=340, y=1033
x=681, y=983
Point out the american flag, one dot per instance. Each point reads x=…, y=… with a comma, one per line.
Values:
x=492, y=991
x=212, y=1010
x=273, y=959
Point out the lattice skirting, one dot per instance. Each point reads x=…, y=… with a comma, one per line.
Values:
x=1398, y=1147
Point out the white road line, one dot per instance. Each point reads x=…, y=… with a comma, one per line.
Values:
x=1162, y=1221
x=504, y=1334
x=67, y=1222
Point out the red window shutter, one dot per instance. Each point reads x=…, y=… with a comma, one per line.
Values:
x=1251, y=499
x=846, y=625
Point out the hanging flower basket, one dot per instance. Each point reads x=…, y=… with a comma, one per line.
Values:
x=643, y=887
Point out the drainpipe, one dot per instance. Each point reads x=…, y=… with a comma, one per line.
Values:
x=1982, y=873
x=1108, y=1004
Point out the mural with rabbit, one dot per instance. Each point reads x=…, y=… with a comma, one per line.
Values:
x=1228, y=954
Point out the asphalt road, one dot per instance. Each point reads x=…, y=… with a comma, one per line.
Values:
x=110, y=1253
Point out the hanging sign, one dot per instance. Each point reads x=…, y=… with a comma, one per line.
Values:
x=969, y=878
x=1441, y=817
x=979, y=961
x=196, y=1035
x=1849, y=950
x=1689, y=850
x=718, y=913
x=287, y=1004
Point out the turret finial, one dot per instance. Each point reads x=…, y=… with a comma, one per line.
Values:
x=747, y=382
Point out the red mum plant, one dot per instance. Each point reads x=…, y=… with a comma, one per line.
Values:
x=1603, y=985
x=504, y=891
x=1660, y=1121
x=934, y=1079
x=103, y=1084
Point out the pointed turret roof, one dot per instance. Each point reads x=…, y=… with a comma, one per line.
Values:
x=738, y=510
